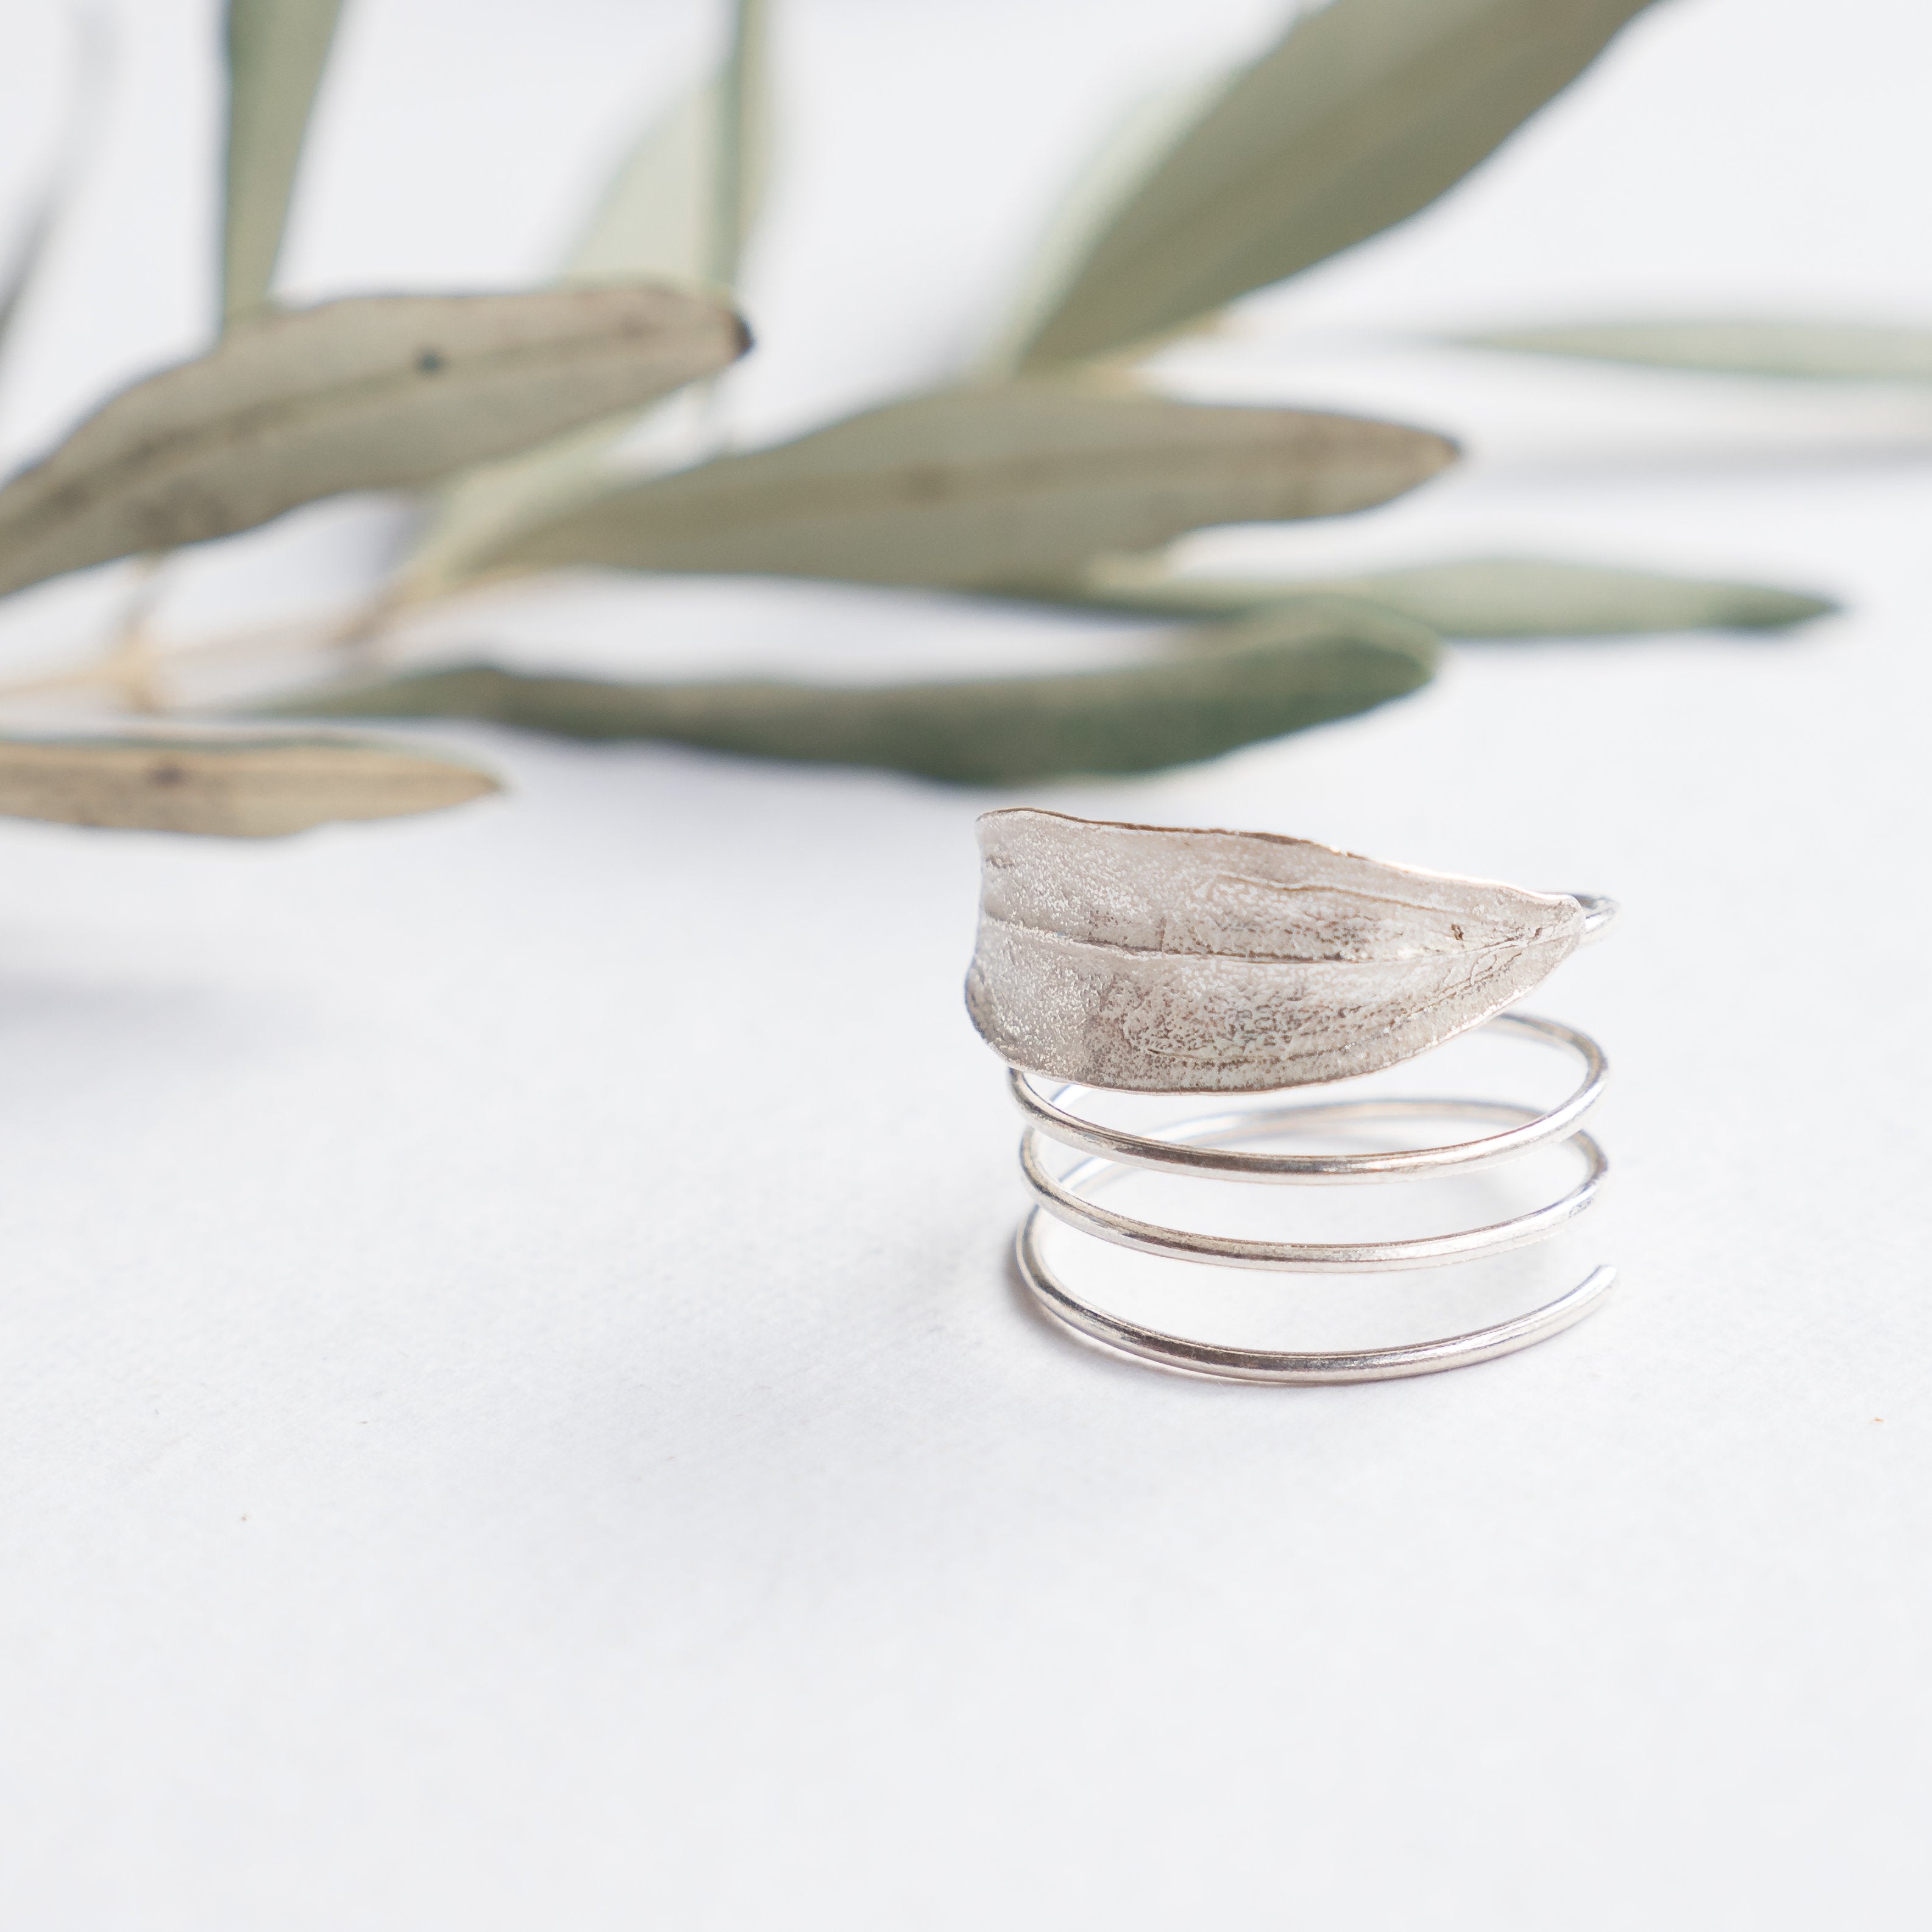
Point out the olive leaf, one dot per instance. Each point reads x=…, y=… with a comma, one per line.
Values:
x=230, y=787
x=1487, y=597
x=741, y=144
x=1166, y=960
x=681, y=206
x=1845, y=352
x=1364, y=113
x=977, y=487
x=1278, y=671
x=366, y=394
x=1118, y=165
x=683, y=199
x=277, y=51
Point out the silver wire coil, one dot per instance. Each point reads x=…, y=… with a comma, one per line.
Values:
x=1201, y=1148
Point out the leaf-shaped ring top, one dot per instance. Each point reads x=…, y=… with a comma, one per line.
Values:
x=1157, y=959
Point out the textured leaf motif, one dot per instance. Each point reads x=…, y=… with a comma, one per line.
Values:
x=1363, y=114
x=1158, y=960
x=980, y=487
x=368, y=393
x=230, y=787
x=277, y=51
x=1283, y=671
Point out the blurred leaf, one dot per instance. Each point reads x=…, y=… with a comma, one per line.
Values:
x=490, y=505
x=277, y=51
x=740, y=144
x=229, y=788
x=1117, y=167
x=681, y=206
x=1278, y=671
x=79, y=134
x=1364, y=113
x=983, y=486
x=1850, y=352
x=1488, y=597
x=364, y=395
x=683, y=200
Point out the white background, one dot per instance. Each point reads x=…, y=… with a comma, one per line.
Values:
x=516, y=1413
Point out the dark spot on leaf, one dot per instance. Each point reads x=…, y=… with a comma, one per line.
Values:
x=169, y=775
x=430, y=361
x=1457, y=931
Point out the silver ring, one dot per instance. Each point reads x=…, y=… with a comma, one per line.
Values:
x=1064, y=1200
x=1155, y=960
x=1068, y=1199
x=1194, y=1152
x=1122, y=1337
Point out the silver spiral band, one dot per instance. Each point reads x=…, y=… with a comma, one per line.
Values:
x=1201, y=1148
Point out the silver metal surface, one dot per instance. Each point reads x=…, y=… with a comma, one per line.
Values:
x=1065, y=1202
x=1198, y=1150
x=1122, y=1337
x=1199, y=1147
x=1163, y=959
x=1599, y=914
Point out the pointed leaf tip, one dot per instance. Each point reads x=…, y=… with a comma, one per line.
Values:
x=983, y=486
x=375, y=392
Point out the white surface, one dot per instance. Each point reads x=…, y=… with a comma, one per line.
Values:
x=516, y=1412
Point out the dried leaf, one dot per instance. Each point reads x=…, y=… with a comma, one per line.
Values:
x=277, y=51
x=1166, y=961
x=1364, y=113
x=1277, y=673
x=977, y=487
x=681, y=207
x=1490, y=597
x=229, y=788
x=366, y=394
x=1843, y=351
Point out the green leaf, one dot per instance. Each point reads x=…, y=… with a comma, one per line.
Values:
x=681, y=206
x=740, y=146
x=229, y=788
x=1487, y=597
x=682, y=202
x=277, y=51
x=1118, y=166
x=1280, y=670
x=1363, y=114
x=978, y=487
x=370, y=394
x=1843, y=352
